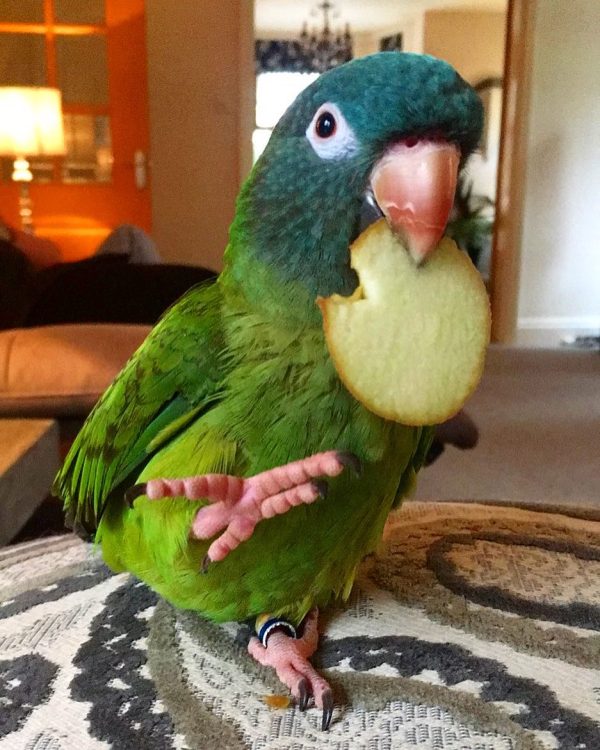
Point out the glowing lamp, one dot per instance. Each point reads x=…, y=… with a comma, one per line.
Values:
x=31, y=124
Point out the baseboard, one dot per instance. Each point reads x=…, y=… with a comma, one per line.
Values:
x=555, y=330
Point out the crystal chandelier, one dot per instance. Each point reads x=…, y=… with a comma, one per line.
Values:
x=324, y=50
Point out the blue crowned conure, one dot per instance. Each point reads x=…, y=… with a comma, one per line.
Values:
x=227, y=465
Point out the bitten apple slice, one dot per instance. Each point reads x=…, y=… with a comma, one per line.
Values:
x=410, y=342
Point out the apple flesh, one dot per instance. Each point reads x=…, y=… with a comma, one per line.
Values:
x=410, y=342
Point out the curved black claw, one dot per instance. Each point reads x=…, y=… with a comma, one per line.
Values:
x=321, y=486
x=134, y=492
x=327, y=710
x=350, y=461
x=205, y=564
x=304, y=695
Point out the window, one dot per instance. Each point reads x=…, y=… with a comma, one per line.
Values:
x=274, y=94
x=62, y=43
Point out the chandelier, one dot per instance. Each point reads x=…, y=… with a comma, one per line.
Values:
x=325, y=49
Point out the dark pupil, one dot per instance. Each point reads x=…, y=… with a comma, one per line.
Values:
x=325, y=125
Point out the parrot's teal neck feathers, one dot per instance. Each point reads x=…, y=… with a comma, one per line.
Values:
x=282, y=249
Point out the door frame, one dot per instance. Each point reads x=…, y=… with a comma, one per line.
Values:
x=510, y=193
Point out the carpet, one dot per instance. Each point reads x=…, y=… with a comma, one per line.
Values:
x=475, y=627
x=538, y=415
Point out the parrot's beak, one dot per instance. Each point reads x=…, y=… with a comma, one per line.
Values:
x=414, y=184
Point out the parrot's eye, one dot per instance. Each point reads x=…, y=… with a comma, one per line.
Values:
x=329, y=133
x=325, y=125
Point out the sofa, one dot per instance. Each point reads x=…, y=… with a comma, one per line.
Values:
x=66, y=329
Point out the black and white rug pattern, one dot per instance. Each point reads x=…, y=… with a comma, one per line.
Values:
x=475, y=627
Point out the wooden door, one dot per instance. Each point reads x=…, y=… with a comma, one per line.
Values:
x=95, y=52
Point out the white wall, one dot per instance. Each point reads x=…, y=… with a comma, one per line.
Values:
x=560, y=264
x=410, y=25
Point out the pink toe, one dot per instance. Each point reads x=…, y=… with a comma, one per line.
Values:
x=155, y=489
x=221, y=548
x=333, y=466
x=242, y=527
x=257, y=650
x=210, y=520
x=320, y=687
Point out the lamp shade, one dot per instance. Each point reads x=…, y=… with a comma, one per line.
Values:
x=31, y=122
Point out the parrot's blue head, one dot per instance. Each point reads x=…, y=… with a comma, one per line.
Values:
x=385, y=134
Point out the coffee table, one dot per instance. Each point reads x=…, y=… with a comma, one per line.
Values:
x=29, y=459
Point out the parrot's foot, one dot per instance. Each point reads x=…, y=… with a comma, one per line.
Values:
x=289, y=658
x=238, y=504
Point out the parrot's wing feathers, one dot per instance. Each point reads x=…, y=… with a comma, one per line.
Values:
x=409, y=475
x=422, y=449
x=171, y=379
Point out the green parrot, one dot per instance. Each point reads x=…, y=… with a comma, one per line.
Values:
x=227, y=466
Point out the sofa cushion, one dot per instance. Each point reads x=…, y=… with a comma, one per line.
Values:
x=108, y=289
x=16, y=284
x=62, y=370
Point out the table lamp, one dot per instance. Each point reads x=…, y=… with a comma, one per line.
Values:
x=31, y=124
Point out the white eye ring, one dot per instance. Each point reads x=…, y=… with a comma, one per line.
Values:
x=341, y=144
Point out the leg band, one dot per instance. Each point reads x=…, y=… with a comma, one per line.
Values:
x=265, y=625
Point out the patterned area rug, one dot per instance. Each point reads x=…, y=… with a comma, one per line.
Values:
x=476, y=627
